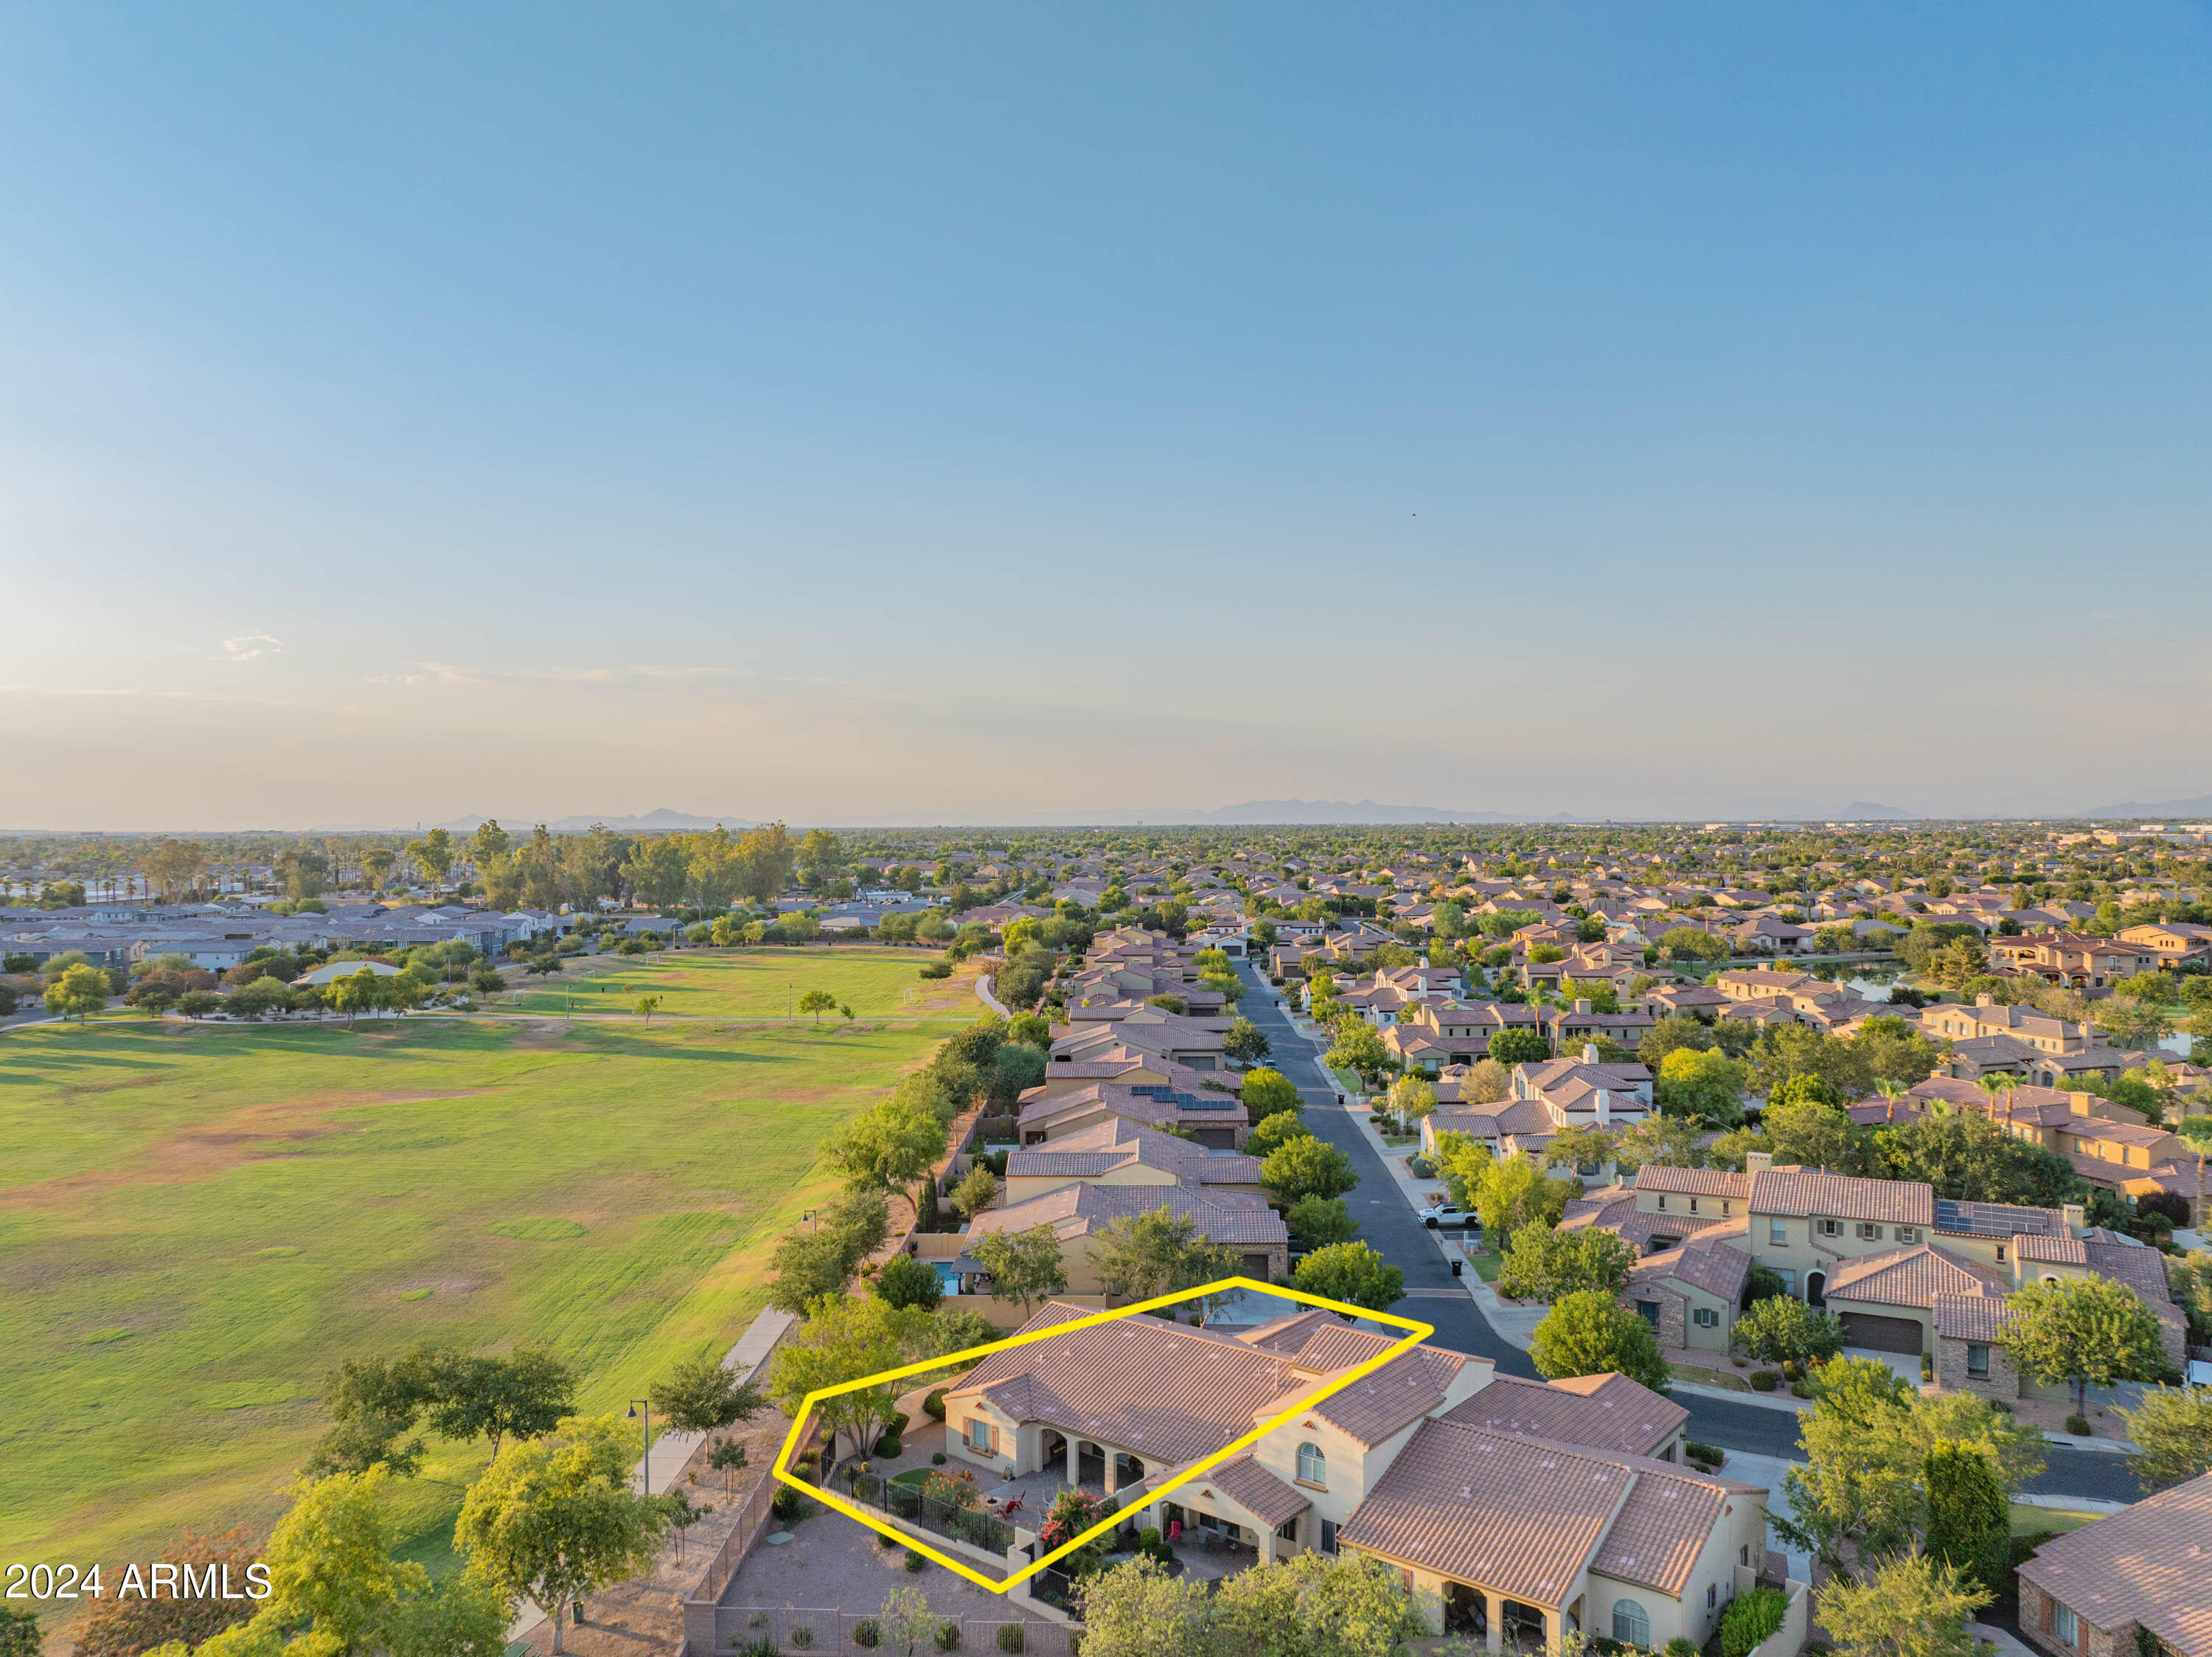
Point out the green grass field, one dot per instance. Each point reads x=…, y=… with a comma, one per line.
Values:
x=755, y=983
x=196, y=1223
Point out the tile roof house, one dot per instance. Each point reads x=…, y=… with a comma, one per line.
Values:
x=1216, y=1121
x=2147, y=1567
x=1077, y=1213
x=1117, y=1151
x=1510, y=1507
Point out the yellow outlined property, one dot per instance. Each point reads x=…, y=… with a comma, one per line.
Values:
x=1419, y=1332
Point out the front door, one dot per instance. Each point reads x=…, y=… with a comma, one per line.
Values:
x=1816, y=1288
x=1648, y=1311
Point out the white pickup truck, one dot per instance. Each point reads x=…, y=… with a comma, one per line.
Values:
x=1445, y=1214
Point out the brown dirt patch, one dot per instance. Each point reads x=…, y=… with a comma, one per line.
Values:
x=198, y=1152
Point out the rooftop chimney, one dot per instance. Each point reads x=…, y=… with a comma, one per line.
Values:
x=1604, y=1109
x=1756, y=1162
x=1589, y=1047
x=2077, y=1217
x=1985, y=999
x=1581, y=1005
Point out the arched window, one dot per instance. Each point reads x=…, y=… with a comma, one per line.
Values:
x=1630, y=1626
x=1312, y=1466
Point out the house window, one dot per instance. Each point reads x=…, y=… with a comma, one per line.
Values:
x=979, y=1434
x=1977, y=1362
x=1999, y=1254
x=1831, y=1227
x=1712, y=1595
x=1908, y=1233
x=1288, y=1530
x=1789, y=1276
x=1694, y=1205
x=1663, y=1204
x=1778, y=1232
x=1312, y=1466
x=1706, y=1318
x=1632, y=1624
x=1329, y=1536
x=1870, y=1234
x=2069, y=1627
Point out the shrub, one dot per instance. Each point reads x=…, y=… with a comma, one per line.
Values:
x=1799, y=1388
x=1764, y=1381
x=937, y=1458
x=936, y=970
x=801, y=1638
x=890, y=1445
x=948, y=1636
x=1704, y=1452
x=887, y=1539
x=915, y=1561
x=2078, y=1425
x=1010, y=1636
x=933, y=1405
x=1750, y=1619
x=867, y=1634
x=789, y=1506
x=1678, y=1646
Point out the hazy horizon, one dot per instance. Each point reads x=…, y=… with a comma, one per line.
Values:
x=846, y=414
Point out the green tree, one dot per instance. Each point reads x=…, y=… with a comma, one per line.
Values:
x=1586, y=1333
x=434, y=854
x=1316, y=1605
x=821, y=1261
x=525, y=1394
x=2172, y=1429
x=1317, y=1222
x=1666, y=1142
x=1700, y=1087
x=890, y=1147
x=1512, y=1047
x=19, y=1633
x=1358, y=1047
x=374, y=1402
x=1244, y=1043
x=843, y=1339
x=1909, y=1606
x=905, y=1281
x=1273, y=1134
x=1135, y=1609
x=336, y=1591
x=1410, y=1098
x=1024, y=1265
x=1266, y=1093
x=1542, y=1263
x=1969, y=1516
x=553, y=1519
x=1015, y=1069
x=817, y=1002
x=1515, y=1191
x=906, y=1625
x=1353, y=1273
x=2087, y=1331
x=1144, y=1255
x=1306, y=1166
x=79, y=989
x=699, y=1395
x=978, y=1190
x=1780, y=1330
x=1816, y=1135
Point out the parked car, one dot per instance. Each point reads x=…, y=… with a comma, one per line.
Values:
x=1437, y=1214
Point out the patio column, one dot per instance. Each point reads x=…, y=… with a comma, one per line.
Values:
x=1113, y=1469
x=1493, y=1617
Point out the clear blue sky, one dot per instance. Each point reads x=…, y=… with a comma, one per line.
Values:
x=837, y=412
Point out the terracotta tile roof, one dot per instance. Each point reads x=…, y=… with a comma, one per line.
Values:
x=1705, y=1262
x=1605, y=1412
x=2151, y=1563
x=1909, y=1276
x=1971, y=1316
x=1254, y=1488
x=1374, y=1407
x=2141, y=1269
x=1806, y=1191
x=1515, y=1515
x=1118, y=1142
x=1693, y=1182
x=1522, y=1516
x=1073, y=1211
x=1107, y=1382
x=2064, y=1251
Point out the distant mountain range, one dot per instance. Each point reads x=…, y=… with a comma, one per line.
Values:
x=662, y=821
x=2201, y=807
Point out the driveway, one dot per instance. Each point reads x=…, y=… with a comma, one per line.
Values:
x=1386, y=1223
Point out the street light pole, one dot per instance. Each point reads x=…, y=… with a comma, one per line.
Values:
x=645, y=1478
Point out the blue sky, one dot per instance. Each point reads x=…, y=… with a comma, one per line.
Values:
x=844, y=412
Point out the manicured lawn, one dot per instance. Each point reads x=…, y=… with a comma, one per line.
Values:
x=196, y=1223
x=2026, y=1520
x=756, y=984
x=1487, y=1266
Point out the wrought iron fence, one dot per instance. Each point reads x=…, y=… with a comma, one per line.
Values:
x=972, y=1526
x=813, y=1631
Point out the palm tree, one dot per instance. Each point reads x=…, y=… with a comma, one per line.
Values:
x=1997, y=1083
x=1891, y=1092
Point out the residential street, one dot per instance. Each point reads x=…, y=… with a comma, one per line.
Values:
x=1388, y=1224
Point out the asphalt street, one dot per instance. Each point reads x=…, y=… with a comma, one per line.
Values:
x=1387, y=1224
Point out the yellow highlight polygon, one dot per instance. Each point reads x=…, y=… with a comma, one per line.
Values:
x=1419, y=1332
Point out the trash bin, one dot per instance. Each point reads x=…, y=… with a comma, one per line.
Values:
x=1457, y=1265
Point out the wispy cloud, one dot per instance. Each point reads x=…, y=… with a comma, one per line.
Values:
x=434, y=675
x=250, y=648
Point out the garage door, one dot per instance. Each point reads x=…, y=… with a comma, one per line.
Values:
x=1882, y=1334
